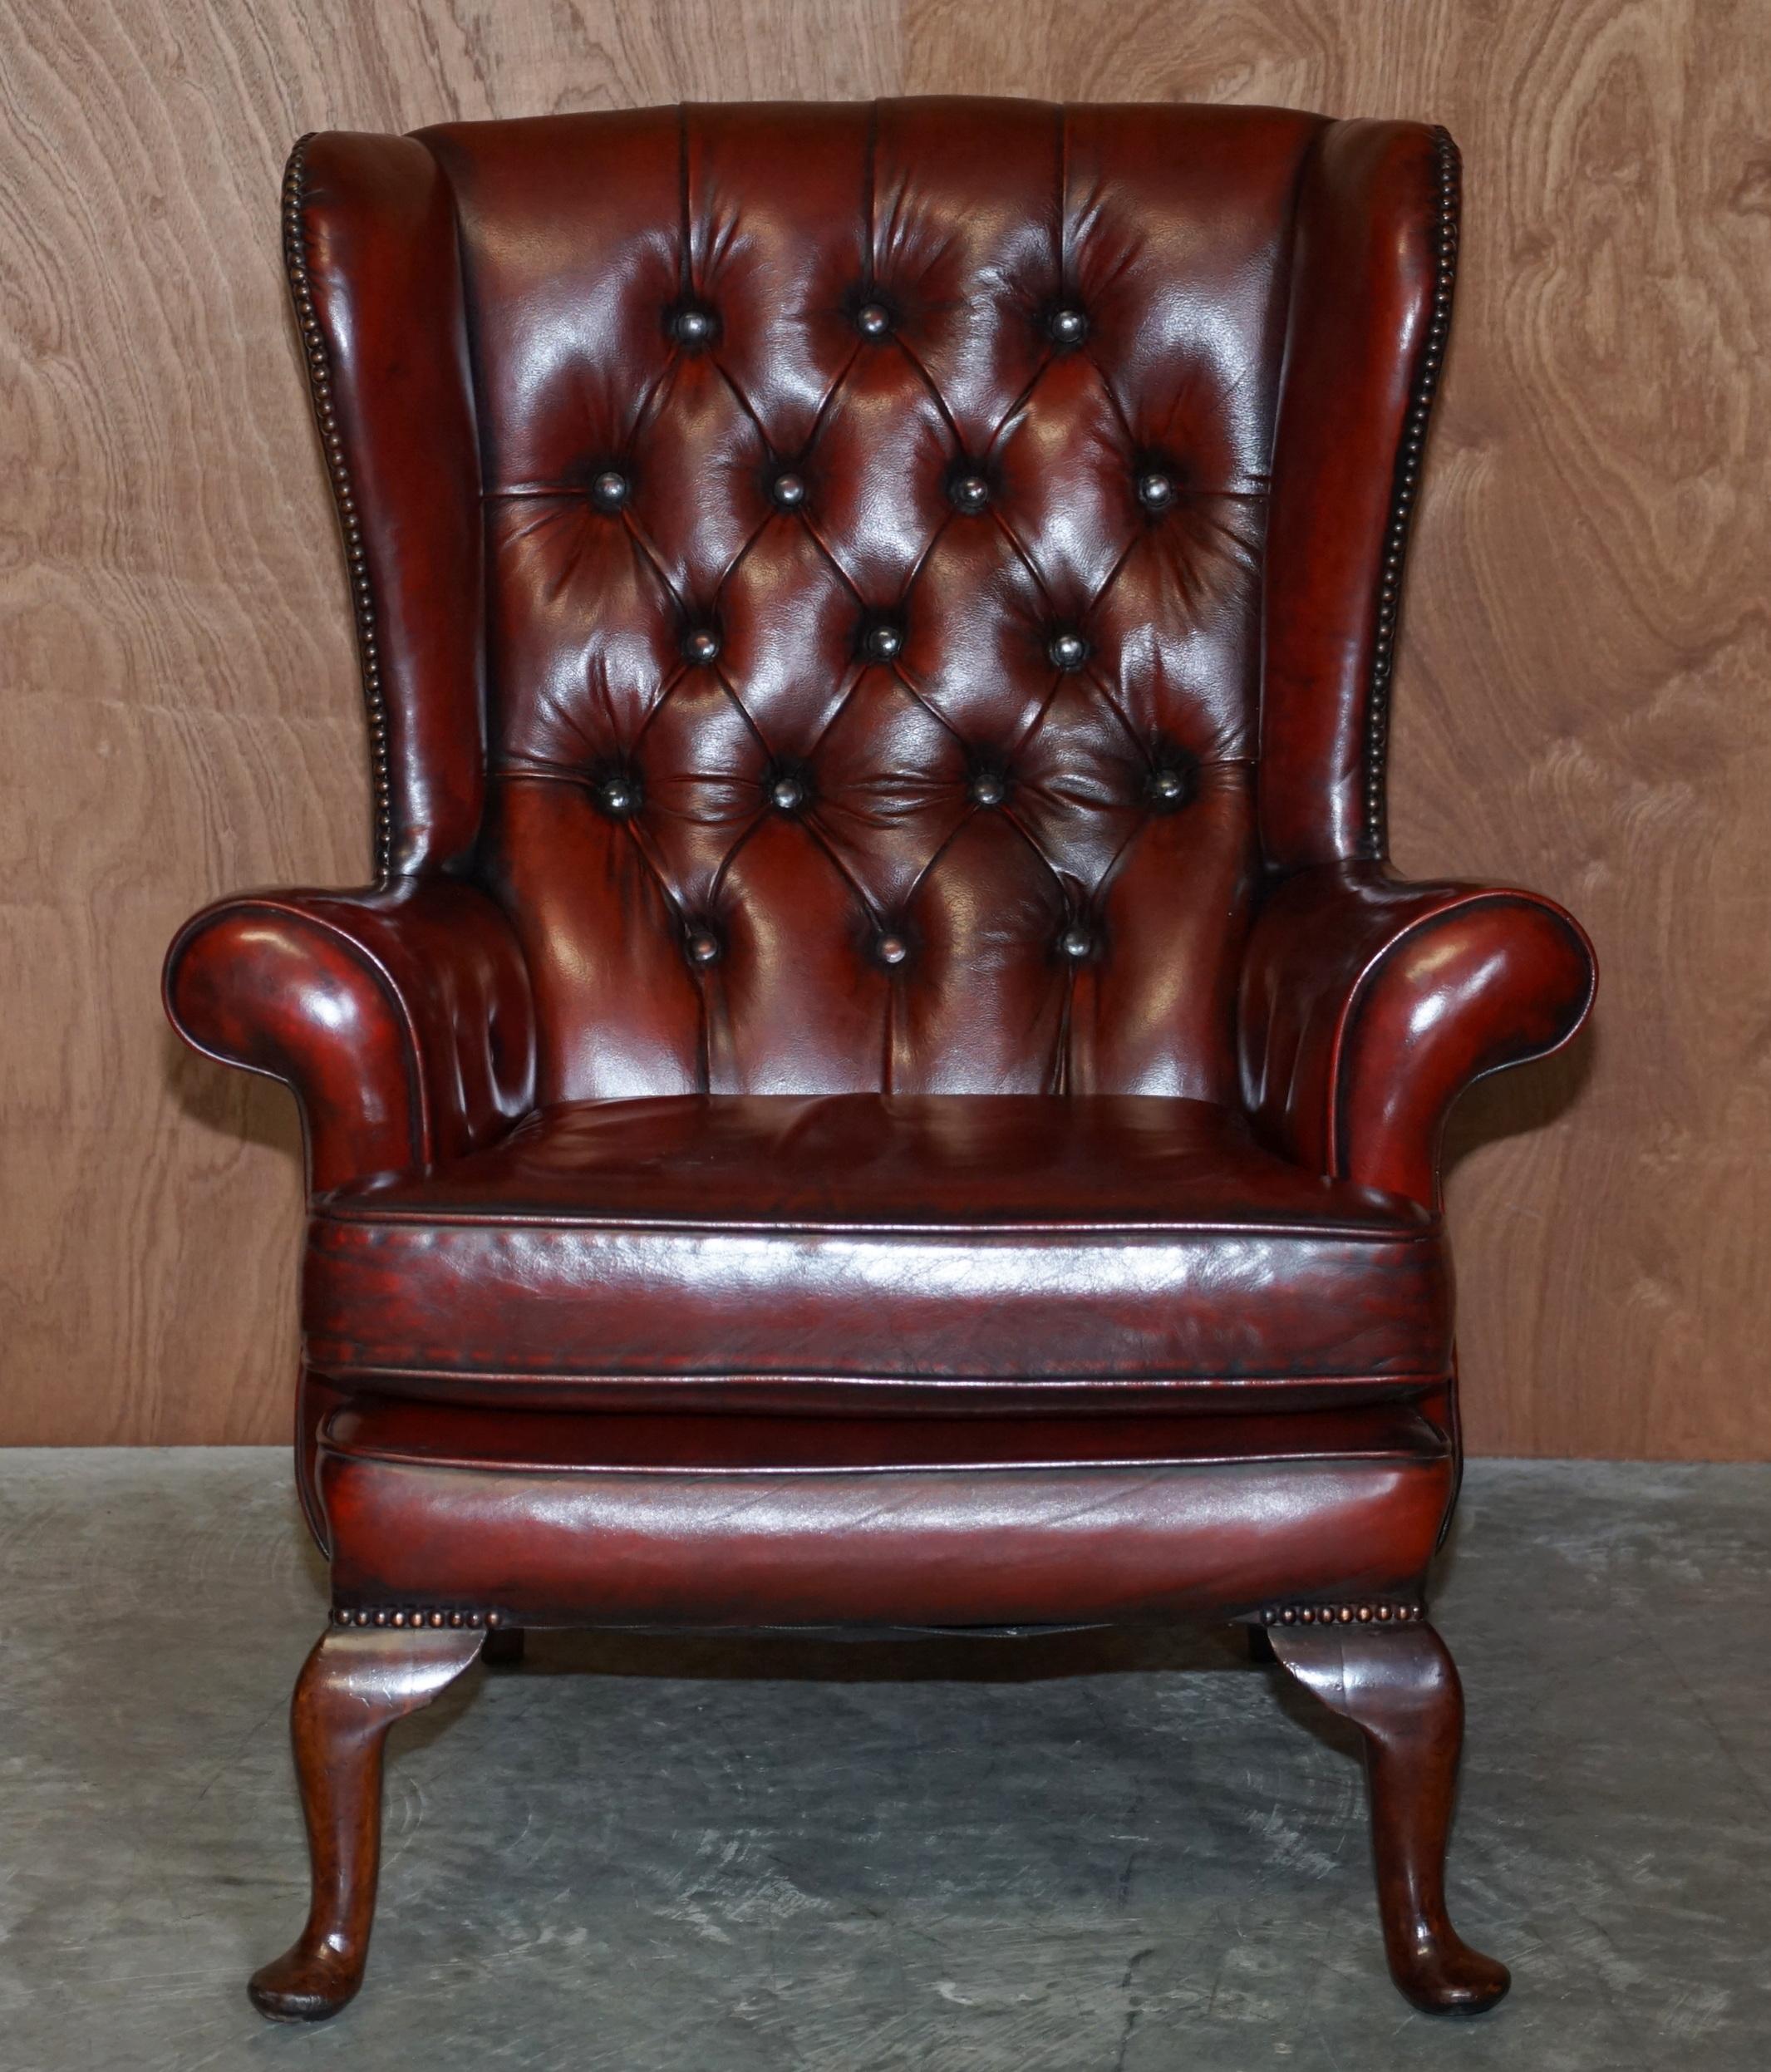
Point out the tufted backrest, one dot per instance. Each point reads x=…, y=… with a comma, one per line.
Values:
x=876, y=590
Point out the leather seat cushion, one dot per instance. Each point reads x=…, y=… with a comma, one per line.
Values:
x=732, y=1520
x=957, y=1241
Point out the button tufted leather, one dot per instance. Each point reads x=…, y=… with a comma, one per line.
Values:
x=882, y=640
x=877, y=626
x=788, y=790
x=694, y=327
x=1168, y=787
x=619, y=793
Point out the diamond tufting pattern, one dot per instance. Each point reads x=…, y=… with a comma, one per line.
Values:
x=874, y=519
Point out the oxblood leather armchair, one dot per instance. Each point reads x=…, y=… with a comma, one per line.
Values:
x=883, y=1078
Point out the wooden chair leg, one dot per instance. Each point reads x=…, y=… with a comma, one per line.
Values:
x=353, y=1686
x=1398, y=1686
x=504, y=1648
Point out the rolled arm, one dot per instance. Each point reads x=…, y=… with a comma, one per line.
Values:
x=400, y=1016
x=1368, y=1005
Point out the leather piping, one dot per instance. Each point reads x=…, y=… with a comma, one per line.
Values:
x=344, y=497
x=1376, y=834
x=1402, y=1381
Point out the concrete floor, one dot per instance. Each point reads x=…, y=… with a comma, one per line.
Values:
x=646, y=1854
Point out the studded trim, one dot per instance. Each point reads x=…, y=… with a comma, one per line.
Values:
x=411, y=1616
x=1447, y=190
x=1372, y=1612
x=350, y=525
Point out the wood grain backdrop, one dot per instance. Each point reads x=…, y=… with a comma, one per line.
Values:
x=1583, y=693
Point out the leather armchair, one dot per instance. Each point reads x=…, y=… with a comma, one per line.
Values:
x=883, y=1077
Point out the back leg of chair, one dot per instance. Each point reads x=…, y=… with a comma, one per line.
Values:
x=353, y=1686
x=1398, y=1686
x=504, y=1648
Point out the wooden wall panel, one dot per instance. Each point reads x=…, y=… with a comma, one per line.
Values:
x=1582, y=695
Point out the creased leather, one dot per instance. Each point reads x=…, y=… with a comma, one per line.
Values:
x=676, y=1524
x=934, y=1237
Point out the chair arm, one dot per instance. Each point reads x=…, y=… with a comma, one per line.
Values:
x=1368, y=1005
x=400, y=1016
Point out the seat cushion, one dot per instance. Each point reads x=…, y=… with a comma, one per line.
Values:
x=544, y=1519
x=788, y=1251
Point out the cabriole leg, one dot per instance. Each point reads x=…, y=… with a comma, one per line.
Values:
x=504, y=1648
x=352, y=1688
x=1399, y=1687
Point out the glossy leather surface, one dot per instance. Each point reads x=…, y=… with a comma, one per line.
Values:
x=885, y=602
x=934, y=1237
x=755, y=1521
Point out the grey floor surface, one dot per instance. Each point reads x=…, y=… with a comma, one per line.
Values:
x=1101, y=1853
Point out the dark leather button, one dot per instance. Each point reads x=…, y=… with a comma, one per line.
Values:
x=693, y=326
x=618, y=794
x=1068, y=651
x=891, y=948
x=788, y=489
x=787, y=793
x=970, y=492
x=701, y=645
x=1068, y=327
x=873, y=320
x=1155, y=489
x=988, y=787
x=610, y=488
x=701, y=947
x=1166, y=787
x=882, y=640
x=1075, y=943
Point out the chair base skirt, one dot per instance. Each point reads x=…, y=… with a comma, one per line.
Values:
x=447, y=1520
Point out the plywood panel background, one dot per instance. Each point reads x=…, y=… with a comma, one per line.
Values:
x=1584, y=700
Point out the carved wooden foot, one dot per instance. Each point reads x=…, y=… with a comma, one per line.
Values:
x=504, y=1648
x=352, y=1688
x=1398, y=1686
